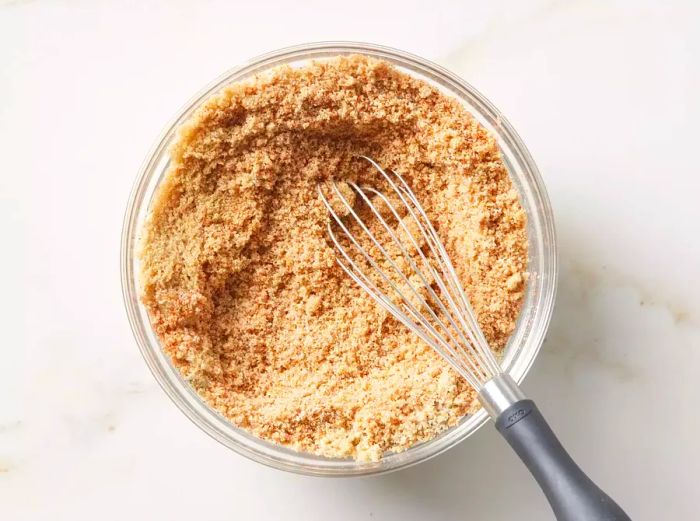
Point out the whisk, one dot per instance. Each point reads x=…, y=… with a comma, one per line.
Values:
x=388, y=246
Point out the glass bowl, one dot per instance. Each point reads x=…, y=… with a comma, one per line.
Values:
x=520, y=351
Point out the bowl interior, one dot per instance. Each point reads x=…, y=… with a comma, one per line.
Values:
x=522, y=346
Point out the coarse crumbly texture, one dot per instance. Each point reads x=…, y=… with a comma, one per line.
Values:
x=241, y=284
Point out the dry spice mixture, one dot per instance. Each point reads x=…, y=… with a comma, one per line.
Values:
x=241, y=284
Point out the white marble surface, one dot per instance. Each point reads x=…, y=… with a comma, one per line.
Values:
x=604, y=94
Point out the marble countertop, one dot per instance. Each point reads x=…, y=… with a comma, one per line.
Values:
x=605, y=95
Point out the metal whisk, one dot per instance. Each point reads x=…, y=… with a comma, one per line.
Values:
x=388, y=246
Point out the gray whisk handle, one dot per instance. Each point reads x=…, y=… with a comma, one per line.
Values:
x=572, y=495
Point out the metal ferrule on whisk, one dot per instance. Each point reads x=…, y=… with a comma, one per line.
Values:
x=499, y=393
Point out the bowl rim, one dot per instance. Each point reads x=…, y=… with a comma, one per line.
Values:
x=215, y=425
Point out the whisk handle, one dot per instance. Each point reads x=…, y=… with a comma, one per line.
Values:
x=572, y=494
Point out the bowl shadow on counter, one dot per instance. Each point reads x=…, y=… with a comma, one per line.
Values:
x=481, y=478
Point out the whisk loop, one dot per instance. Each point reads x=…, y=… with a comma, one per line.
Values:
x=441, y=316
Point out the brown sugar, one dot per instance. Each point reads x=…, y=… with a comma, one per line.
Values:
x=241, y=284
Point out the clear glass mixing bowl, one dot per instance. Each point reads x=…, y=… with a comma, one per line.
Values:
x=522, y=347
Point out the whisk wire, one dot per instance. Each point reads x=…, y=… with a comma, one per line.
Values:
x=466, y=314
x=450, y=326
x=425, y=283
x=435, y=276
